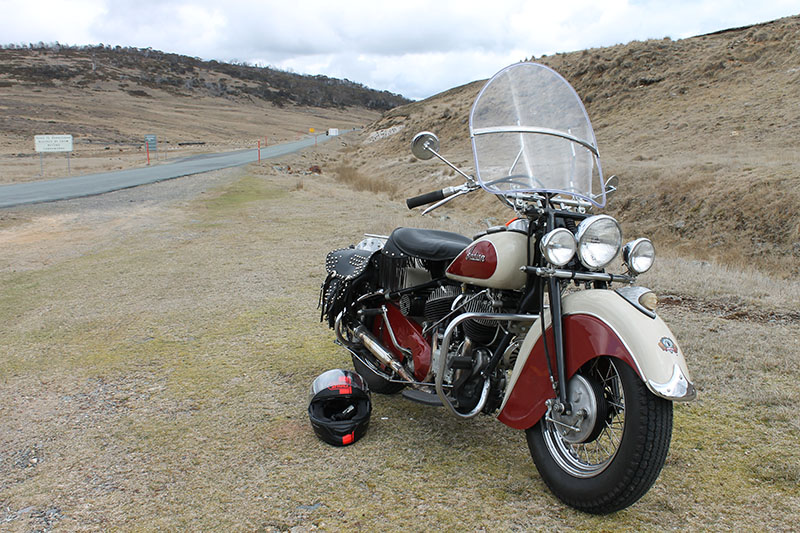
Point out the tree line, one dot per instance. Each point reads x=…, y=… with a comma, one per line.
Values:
x=82, y=64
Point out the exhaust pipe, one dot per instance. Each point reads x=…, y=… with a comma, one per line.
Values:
x=382, y=354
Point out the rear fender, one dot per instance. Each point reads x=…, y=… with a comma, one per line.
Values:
x=596, y=323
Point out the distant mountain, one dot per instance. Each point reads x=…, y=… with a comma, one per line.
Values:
x=45, y=64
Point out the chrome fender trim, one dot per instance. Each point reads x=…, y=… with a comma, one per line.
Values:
x=678, y=388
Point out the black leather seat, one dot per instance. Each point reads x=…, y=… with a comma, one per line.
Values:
x=428, y=244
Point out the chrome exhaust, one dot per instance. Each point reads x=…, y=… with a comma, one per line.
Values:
x=382, y=354
x=347, y=337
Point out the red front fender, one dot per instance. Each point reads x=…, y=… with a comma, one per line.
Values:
x=585, y=337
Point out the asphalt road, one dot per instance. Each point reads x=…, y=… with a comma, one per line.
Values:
x=91, y=184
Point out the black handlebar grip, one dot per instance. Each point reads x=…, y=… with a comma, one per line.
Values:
x=427, y=198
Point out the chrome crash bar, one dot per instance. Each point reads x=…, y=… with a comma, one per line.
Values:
x=444, y=348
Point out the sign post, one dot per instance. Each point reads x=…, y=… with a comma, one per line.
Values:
x=151, y=143
x=52, y=143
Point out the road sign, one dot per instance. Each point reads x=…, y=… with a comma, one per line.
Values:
x=151, y=142
x=53, y=143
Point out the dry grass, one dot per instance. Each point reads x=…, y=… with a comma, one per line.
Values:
x=710, y=281
x=155, y=373
x=158, y=343
x=354, y=178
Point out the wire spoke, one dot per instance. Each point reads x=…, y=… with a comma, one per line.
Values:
x=590, y=458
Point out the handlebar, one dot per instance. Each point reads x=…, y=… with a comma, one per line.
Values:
x=431, y=197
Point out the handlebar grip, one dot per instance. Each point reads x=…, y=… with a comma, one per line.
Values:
x=427, y=198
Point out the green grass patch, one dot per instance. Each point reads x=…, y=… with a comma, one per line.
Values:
x=240, y=194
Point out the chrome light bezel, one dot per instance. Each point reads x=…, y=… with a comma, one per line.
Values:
x=585, y=236
x=556, y=240
x=634, y=250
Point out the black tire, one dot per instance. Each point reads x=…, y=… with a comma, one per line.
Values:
x=605, y=485
x=375, y=382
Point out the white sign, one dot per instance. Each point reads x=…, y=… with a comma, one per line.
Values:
x=53, y=143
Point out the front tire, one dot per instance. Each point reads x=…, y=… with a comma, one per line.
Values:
x=610, y=465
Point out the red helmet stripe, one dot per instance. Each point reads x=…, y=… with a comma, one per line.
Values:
x=347, y=439
x=343, y=389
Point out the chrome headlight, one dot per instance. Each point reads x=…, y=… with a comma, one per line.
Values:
x=558, y=246
x=639, y=255
x=599, y=239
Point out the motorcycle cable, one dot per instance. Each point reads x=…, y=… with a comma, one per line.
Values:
x=544, y=340
x=539, y=283
x=532, y=289
x=557, y=324
x=438, y=282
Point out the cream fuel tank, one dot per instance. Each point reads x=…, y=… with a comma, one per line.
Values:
x=495, y=260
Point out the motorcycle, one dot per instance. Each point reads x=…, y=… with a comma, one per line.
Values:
x=522, y=321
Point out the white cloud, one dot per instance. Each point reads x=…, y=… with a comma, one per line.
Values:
x=415, y=47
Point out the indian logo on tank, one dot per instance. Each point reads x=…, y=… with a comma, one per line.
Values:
x=475, y=256
x=479, y=261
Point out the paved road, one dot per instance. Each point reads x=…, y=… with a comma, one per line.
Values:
x=65, y=188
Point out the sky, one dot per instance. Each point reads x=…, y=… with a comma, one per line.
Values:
x=416, y=48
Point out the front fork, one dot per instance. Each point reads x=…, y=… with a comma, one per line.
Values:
x=558, y=339
x=554, y=291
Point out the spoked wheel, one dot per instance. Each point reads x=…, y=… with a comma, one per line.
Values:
x=608, y=452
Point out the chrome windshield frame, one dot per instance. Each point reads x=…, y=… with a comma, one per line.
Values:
x=530, y=129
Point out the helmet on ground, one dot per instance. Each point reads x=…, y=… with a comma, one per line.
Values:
x=339, y=407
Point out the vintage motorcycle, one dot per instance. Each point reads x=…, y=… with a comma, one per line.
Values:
x=521, y=321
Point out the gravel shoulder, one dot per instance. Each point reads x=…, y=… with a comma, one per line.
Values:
x=158, y=344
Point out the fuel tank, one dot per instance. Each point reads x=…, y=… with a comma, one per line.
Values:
x=493, y=260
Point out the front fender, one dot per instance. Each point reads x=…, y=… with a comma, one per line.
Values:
x=596, y=323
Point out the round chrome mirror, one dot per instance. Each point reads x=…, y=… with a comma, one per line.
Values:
x=424, y=144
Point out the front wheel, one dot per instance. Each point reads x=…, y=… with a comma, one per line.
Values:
x=609, y=451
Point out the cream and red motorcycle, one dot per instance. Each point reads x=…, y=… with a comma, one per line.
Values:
x=461, y=322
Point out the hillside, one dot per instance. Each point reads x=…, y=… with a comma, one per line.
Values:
x=134, y=69
x=109, y=98
x=704, y=133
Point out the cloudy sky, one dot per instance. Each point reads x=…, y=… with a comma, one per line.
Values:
x=413, y=47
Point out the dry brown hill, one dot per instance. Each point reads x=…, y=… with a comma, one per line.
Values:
x=704, y=133
x=109, y=98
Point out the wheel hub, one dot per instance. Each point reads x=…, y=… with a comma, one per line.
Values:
x=588, y=413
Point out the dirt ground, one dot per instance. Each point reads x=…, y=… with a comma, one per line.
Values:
x=158, y=344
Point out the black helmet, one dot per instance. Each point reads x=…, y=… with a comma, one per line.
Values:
x=340, y=407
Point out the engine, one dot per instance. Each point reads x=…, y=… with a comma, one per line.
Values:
x=471, y=345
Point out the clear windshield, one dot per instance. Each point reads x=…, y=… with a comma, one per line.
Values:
x=530, y=133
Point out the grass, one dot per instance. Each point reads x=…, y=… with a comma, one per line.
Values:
x=351, y=176
x=161, y=380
